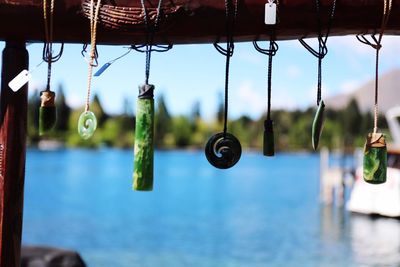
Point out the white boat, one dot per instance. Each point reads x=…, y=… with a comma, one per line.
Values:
x=382, y=199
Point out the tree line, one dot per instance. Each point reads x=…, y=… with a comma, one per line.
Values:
x=344, y=129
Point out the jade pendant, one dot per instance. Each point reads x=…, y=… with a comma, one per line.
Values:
x=47, y=112
x=318, y=125
x=87, y=124
x=375, y=159
x=144, y=140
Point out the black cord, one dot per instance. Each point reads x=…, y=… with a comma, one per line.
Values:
x=322, y=40
x=96, y=54
x=228, y=51
x=150, y=36
x=270, y=52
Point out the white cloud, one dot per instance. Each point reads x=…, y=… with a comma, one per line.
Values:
x=281, y=99
x=293, y=71
x=248, y=100
x=350, y=86
x=74, y=100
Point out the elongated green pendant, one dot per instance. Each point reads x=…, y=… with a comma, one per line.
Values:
x=47, y=112
x=269, y=144
x=375, y=159
x=144, y=140
x=87, y=124
x=318, y=125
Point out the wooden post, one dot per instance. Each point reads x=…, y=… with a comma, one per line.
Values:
x=13, y=125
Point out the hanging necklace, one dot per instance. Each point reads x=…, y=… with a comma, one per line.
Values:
x=375, y=152
x=223, y=150
x=270, y=19
x=47, y=110
x=318, y=122
x=87, y=121
x=144, y=132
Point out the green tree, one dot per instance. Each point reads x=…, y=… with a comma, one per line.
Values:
x=181, y=131
x=63, y=111
x=33, y=117
x=220, y=109
x=97, y=109
x=162, y=122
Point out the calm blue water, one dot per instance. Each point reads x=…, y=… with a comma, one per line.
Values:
x=262, y=212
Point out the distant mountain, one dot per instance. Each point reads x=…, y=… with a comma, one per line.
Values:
x=389, y=94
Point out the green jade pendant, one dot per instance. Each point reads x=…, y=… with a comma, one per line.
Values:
x=268, y=144
x=87, y=124
x=318, y=125
x=47, y=112
x=375, y=159
x=144, y=140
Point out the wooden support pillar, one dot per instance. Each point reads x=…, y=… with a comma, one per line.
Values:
x=13, y=125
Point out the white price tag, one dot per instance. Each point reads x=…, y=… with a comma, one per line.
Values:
x=270, y=13
x=20, y=80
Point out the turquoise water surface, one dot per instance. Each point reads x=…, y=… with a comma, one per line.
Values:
x=262, y=212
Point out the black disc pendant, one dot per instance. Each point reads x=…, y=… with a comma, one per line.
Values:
x=223, y=152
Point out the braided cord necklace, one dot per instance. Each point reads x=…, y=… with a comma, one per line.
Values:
x=47, y=110
x=87, y=123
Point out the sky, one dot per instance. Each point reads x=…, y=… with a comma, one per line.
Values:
x=190, y=73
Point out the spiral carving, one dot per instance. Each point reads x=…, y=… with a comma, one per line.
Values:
x=87, y=124
x=223, y=152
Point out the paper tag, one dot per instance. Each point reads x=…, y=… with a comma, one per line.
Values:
x=270, y=13
x=20, y=80
x=102, y=69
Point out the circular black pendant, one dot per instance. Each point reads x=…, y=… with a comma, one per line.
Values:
x=223, y=152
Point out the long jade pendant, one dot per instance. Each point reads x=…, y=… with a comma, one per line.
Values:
x=318, y=125
x=47, y=112
x=144, y=140
x=268, y=144
x=375, y=159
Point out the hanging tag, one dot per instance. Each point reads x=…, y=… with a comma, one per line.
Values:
x=270, y=13
x=20, y=80
x=102, y=69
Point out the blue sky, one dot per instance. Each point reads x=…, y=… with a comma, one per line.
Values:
x=196, y=72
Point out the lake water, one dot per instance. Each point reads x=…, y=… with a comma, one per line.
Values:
x=261, y=212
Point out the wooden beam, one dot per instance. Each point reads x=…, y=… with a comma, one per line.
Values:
x=189, y=21
x=13, y=124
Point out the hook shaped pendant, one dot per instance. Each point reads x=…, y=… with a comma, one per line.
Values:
x=318, y=125
x=375, y=159
x=87, y=124
x=223, y=152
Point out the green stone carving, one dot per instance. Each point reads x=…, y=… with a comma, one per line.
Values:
x=47, y=112
x=318, y=125
x=87, y=124
x=144, y=141
x=375, y=159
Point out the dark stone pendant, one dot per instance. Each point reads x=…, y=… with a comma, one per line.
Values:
x=47, y=112
x=269, y=144
x=375, y=159
x=318, y=125
x=222, y=151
